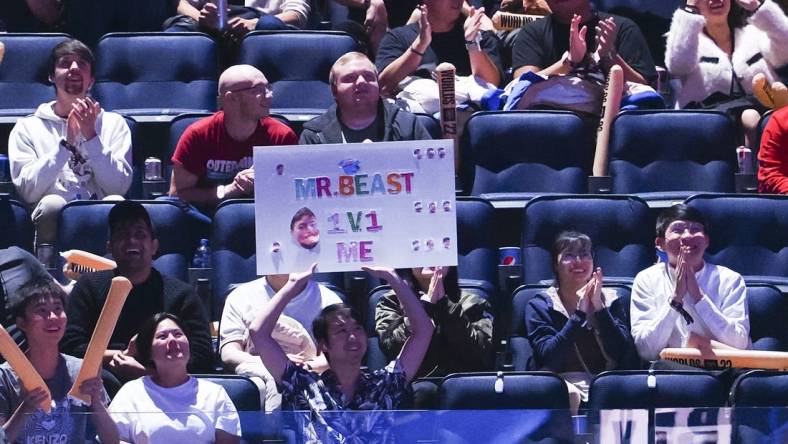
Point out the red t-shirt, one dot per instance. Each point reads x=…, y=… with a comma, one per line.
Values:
x=206, y=150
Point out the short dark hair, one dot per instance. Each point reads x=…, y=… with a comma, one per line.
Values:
x=566, y=241
x=35, y=289
x=128, y=211
x=303, y=211
x=320, y=323
x=679, y=212
x=148, y=330
x=72, y=47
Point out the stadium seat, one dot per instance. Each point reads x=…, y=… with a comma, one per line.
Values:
x=673, y=388
x=296, y=63
x=477, y=254
x=246, y=398
x=83, y=225
x=520, y=347
x=17, y=228
x=515, y=155
x=155, y=75
x=233, y=252
x=768, y=309
x=672, y=154
x=760, y=407
x=24, y=73
x=177, y=126
x=748, y=233
x=544, y=394
x=137, y=161
x=431, y=124
x=620, y=228
x=6, y=185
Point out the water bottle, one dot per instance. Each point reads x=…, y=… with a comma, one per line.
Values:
x=202, y=256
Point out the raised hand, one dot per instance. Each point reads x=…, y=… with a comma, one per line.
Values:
x=597, y=298
x=298, y=281
x=425, y=30
x=92, y=387
x=436, y=291
x=749, y=5
x=577, y=40
x=209, y=16
x=681, y=277
x=473, y=23
x=606, y=39
x=386, y=273
x=690, y=281
x=84, y=113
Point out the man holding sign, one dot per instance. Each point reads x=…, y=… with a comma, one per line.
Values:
x=359, y=114
x=38, y=307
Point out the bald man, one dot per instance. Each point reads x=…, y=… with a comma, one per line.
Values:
x=213, y=159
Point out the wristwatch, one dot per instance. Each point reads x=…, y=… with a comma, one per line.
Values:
x=471, y=46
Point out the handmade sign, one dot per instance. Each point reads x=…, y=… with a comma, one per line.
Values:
x=345, y=206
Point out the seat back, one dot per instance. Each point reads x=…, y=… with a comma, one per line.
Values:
x=748, y=233
x=302, y=85
x=431, y=124
x=246, y=398
x=83, y=225
x=760, y=407
x=177, y=126
x=24, y=73
x=672, y=150
x=233, y=249
x=620, y=227
x=157, y=73
x=477, y=254
x=768, y=310
x=17, y=228
x=524, y=151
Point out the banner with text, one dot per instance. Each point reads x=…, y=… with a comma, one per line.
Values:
x=345, y=206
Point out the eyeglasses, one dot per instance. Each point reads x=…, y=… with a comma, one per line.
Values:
x=571, y=257
x=255, y=89
x=681, y=227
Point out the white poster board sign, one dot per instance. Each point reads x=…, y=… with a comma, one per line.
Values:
x=345, y=206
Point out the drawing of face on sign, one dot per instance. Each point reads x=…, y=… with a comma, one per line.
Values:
x=303, y=228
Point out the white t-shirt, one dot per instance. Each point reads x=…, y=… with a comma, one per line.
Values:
x=245, y=302
x=147, y=413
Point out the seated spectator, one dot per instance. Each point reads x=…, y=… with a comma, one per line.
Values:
x=687, y=301
x=346, y=386
x=168, y=405
x=717, y=48
x=571, y=327
x=29, y=15
x=133, y=243
x=360, y=114
x=38, y=309
x=203, y=16
x=442, y=34
x=213, y=159
x=462, y=339
x=573, y=34
x=773, y=155
x=70, y=148
x=293, y=331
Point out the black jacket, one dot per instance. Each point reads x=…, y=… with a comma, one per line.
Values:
x=399, y=125
x=158, y=293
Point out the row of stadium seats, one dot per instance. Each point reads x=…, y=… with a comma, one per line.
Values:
x=758, y=399
x=749, y=233
x=511, y=156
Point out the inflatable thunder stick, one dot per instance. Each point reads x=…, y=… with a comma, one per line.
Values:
x=27, y=374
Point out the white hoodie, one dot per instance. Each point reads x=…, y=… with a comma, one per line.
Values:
x=40, y=166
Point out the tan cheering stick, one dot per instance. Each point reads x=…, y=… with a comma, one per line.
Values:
x=2, y=52
x=611, y=104
x=27, y=374
x=507, y=21
x=728, y=358
x=91, y=364
x=79, y=262
x=446, y=78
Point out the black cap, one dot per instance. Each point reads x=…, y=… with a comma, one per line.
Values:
x=127, y=211
x=17, y=268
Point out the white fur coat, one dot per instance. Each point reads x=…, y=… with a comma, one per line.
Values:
x=760, y=46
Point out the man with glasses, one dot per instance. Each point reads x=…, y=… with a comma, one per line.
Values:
x=213, y=159
x=687, y=301
x=133, y=244
x=70, y=148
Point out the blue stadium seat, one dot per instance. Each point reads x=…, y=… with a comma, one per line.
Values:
x=431, y=124
x=17, y=228
x=234, y=255
x=477, y=253
x=83, y=225
x=137, y=160
x=24, y=73
x=748, y=233
x=768, y=309
x=246, y=398
x=297, y=63
x=760, y=407
x=518, y=154
x=543, y=393
x=671, y=154
x=157, y=74
x=177, y=126
x=674, y=388
x=519, y=346
x=621, y=229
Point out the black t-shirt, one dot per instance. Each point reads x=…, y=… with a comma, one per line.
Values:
x=543, y=42
x=374, y=132
x=445, y=47
x=15, y=16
